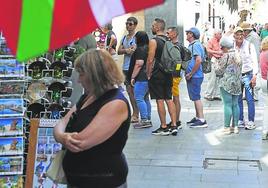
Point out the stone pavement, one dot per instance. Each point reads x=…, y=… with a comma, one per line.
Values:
x=201, y=157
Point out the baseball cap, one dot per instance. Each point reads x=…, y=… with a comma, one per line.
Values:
x=237, y=29
x=195, y=32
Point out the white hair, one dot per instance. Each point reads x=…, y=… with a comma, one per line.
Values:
x=217, y=31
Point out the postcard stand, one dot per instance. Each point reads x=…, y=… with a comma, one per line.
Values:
x=41, y=151
x=12, y=126
x=47, y=96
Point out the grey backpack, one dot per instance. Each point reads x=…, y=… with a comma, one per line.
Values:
x=170, y=61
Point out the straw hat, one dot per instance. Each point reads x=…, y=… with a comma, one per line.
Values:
x=246, y=26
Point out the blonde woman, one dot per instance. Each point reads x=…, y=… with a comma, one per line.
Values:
x=264, y=83
x=94, y=131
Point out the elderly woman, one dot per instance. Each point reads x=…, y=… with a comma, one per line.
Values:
x=228, y=68
x=94, y=131
x=264, y=83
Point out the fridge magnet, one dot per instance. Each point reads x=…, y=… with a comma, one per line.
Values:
x=58, y=68
x=35, y=110
x=36, y=90
x=36, y=69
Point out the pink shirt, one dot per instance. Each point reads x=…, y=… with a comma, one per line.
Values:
x=264, y=64
x=214, y=44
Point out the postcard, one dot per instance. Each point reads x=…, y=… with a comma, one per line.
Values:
x=11, y=107
x=11, y=181
x=11, y=88
x=11, y=68
x=11, y=165
x=11, y=146
x=11, y=126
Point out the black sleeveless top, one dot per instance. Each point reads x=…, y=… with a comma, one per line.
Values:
x=103, y=165
x=158, y=76
x=108, y=40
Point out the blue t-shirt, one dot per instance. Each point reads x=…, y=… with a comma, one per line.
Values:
x=197, y=49
x=127, y=43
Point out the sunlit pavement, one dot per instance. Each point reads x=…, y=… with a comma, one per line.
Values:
x=200, y=157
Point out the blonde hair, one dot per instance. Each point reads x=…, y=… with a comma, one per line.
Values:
x=264, y=44
x=100, y=70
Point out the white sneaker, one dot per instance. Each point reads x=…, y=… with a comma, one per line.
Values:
x=241, y=124
x=236, y=130
x=226, y=130
x=250, y=126
x=265, y=135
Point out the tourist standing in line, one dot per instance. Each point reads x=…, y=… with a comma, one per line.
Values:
x=160, y=83
x=194, y=77
x=127, y=48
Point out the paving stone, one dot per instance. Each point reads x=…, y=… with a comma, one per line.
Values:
x=179, y=159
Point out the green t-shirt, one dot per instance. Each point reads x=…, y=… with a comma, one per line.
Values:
x=264, y=33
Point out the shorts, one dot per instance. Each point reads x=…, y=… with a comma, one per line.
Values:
x=175, y=86
x=160, y=90
x=194, y=88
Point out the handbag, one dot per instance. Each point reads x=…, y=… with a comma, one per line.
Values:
x=55, y=171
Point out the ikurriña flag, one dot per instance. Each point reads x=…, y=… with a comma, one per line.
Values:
x=33, y=27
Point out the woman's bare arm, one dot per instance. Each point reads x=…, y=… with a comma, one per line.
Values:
x=104, y=125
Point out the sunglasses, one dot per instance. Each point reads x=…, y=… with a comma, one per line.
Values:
x=129, y=23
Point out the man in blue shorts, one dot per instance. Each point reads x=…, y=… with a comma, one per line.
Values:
x=194, y=77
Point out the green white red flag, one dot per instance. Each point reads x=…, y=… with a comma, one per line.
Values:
x=33, y=27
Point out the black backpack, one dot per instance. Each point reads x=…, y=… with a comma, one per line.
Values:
x=170, y=61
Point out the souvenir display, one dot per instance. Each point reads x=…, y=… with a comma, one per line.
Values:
x=35, y=110
x=55, y=111
x=11, y=87
x=56, y=89
x=4, y=50
x=16, y=181
x=36, y=69
x=36, y=90
x=11, y=126
x=58, y=68
x=11, y=68
x=11, y=165
x=11, y=146
x=46, y=149
x=100, y=38
x=11, y=107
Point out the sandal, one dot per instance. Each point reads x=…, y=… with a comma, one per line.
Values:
x=134, y=119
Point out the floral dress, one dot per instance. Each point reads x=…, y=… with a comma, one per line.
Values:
x=228, y=68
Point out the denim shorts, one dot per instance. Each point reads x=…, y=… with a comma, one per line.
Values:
x=194, y=88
